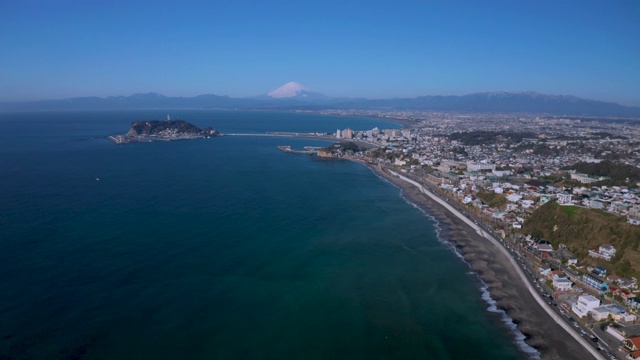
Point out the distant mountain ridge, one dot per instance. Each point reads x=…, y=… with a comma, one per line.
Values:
x=294, y=96
x=524, y=101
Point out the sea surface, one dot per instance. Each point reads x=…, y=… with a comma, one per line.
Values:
x=222, y=248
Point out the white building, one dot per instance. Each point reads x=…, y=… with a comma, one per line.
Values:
x=600, y=313
x=544, y=270
x=514, y=197
x=565, y=199
x=584, y=305
x=527, y=203
x=501, y=173
x=605, y=251
x=583, y=178
x=561, y=283
x=480, y=167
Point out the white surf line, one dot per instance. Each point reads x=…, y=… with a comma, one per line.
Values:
x=521, y=273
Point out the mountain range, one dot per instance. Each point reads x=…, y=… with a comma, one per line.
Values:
x=293, y=96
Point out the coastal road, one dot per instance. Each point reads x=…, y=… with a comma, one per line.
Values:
x=513, y=262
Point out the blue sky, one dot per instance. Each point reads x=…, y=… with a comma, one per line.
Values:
x=375, y=49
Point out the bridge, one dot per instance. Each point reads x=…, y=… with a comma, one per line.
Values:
x=287, y=134
x=319, y=136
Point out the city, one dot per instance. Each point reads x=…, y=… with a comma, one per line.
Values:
x=503, y=171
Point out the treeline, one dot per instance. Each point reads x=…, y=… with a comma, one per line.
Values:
x=490, y=137
x=344, y=146
x=619, y=173
x=152, y=127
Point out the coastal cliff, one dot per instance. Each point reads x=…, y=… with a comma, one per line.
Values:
x=162, y=130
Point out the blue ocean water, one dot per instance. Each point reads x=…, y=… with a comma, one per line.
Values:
x=223, y=248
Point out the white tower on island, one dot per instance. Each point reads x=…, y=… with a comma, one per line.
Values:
x=168, y=117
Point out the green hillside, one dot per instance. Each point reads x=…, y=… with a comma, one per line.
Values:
x=583, y=229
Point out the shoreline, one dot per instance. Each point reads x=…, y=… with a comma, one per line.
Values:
x=497, y=271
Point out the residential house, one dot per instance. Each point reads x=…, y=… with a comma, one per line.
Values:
x=617, y=312
x=561, y=283
x=605, y=251
x=544, y=270
x=527, y=203
x=514, y=197
x=633, y=303
x=632, y=345
x=600, y=271
x=595, y=283
x=596, y=204
x=626, y=283
x=633, y=221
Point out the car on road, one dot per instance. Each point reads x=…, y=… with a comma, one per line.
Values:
x=594, y=339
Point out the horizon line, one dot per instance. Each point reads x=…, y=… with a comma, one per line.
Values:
x=329, y=97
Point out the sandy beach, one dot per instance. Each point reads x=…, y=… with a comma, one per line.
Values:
x=498, y=273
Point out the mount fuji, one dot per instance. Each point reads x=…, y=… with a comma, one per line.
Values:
x=294, y=90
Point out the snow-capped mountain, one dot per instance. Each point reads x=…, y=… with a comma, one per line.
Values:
x=293, y=89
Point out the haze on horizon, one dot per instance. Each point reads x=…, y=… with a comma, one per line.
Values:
x=53, y=50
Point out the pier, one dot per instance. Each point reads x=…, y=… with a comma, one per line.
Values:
x=321, y=136
x=310, y=150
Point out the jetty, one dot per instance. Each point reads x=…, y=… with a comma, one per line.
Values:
x=310, y=150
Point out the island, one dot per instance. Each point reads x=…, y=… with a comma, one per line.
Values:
x=162, y=130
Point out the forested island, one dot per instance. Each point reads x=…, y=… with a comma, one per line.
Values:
x=162, y=130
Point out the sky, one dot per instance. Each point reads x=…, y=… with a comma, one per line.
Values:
x=374, y=49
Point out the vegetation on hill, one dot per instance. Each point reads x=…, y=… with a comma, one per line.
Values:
x=492, y=199
x=490, y=137
x=583, y=229
x=620, y=174
x=344, y=146
x=153, y=127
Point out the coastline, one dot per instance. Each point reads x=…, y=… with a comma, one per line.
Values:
x=503, y=289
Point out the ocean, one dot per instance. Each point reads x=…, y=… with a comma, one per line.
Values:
x=222, y=248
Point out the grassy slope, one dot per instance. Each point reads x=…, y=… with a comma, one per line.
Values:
x=582, y=229
x=492, y=199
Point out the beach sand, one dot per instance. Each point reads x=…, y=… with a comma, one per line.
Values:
x=502, y=281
